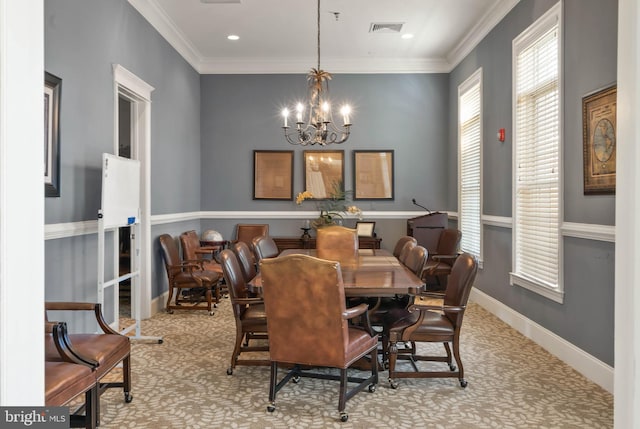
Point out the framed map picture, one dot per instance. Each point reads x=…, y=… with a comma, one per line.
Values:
x=273, y=175
x=373, y=175
x=599, y=141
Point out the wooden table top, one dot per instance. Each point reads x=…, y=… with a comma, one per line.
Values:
x=373, y=273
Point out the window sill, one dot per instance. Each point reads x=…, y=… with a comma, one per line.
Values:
x=540, y=289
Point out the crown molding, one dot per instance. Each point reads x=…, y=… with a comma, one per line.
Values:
x=208, y=65
x=490, y=19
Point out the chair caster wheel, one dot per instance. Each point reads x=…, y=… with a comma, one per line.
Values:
x=128, y=397
x=211, y=313
x=344, y=417
x=452, y=367
x=229, y=371
x=215, y=305
x=393, y=384
x=372, y=388
x=160, y=341
x=169, y=311
x=463, y=383
x=296, y=379
x=271, y=407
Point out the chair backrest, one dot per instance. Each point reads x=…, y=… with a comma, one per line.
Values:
x=459, y=285
x=400, y=244
x=449, y=241
x=337, y=237
x=234, y=279
x=247, y=231
x=416, y=260
x=246, y=259
x=264, y=247
x=404, y=253
x=304, y=301
x=170, y=254
x=190, y=243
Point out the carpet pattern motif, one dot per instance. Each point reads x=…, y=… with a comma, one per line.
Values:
x=513, y=383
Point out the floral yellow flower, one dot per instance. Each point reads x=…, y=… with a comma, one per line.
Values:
x=303, y=196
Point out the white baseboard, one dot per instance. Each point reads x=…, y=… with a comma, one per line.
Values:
x=587, y=365
x=158, y=304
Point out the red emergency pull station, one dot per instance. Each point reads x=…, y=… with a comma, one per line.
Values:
x=501, y=134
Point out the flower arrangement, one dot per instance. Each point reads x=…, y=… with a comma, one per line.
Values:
x=332, y=209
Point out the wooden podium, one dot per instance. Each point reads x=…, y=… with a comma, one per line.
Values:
x=427, y=228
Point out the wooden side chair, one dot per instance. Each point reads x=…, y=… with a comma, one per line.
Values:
x=248, y=231
x=432, y=324
x=67, y=377
x=192, y=283
x=248, y=312
x=105, y=350
x=193, y=251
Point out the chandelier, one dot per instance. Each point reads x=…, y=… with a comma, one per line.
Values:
x=320, y=128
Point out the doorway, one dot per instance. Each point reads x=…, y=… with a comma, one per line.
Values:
x=124, y=233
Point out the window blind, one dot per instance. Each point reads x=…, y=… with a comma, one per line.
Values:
x=537, y=174
x=470, y=196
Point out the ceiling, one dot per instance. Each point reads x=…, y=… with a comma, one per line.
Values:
x=280, y=36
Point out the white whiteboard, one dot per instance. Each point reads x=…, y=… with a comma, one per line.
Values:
x=120, y=191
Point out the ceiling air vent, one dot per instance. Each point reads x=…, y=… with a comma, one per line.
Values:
x=386, y=27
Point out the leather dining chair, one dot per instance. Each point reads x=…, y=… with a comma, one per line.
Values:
x=309, y=325
x=337, y=243
x=248, y=312
x=188, y=279
x=439, y=264
x=264, y=247
x=431, y=324
x=404, y=252
x=247, y=260
x=400, y=244
x=247, y=231
x=193, y=251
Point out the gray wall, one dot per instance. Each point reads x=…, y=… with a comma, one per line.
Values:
x=82, y=41
x=590, y=26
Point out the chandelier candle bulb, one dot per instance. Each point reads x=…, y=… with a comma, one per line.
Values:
x=285, y=113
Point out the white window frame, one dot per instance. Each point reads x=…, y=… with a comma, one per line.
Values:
x=470, y=218
x=551, y=20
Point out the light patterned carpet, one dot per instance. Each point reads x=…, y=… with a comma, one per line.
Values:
x=513, y=383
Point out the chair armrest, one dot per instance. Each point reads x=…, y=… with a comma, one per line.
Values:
x=58, y=331
x=352, y=312
x=83, y=306
x=447, y=308
x=247, y=301
x=445, y=257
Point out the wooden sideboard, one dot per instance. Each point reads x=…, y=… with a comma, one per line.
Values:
x=310, y=243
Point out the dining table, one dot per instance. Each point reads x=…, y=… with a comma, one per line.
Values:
x=365, y=273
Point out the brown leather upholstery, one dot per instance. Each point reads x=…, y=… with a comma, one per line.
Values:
x=400, y=244
x=432, y=323
x=416, y=260
x=337, y=237
x=198, y=284
x=264, y=247
x=404, y=252
x=193, y=251
x=249, y=313
x=246, y=259
x=309, y=322
x=66, y=377
x=247, y=231
x=439, y=264
x=106, y=350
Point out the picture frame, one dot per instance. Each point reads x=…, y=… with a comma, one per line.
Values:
x=599, y=141
x=366, y=229
x=323, y=172
x=373, y=175
x=273, y=175
x=52, y=93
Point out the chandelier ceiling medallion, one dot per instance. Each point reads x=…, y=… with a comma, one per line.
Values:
x=320, y=128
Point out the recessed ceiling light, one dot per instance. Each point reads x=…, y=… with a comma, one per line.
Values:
x=407, y=36
x=233, y=37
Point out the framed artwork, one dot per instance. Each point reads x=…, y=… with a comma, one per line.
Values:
x=366, y=229
x=323, y=172
x=373, y=175
x=599, y=141
x=52, y=87
x=273, y=175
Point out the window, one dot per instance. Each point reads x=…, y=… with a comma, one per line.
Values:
x=537, y=157
x=470, y=164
